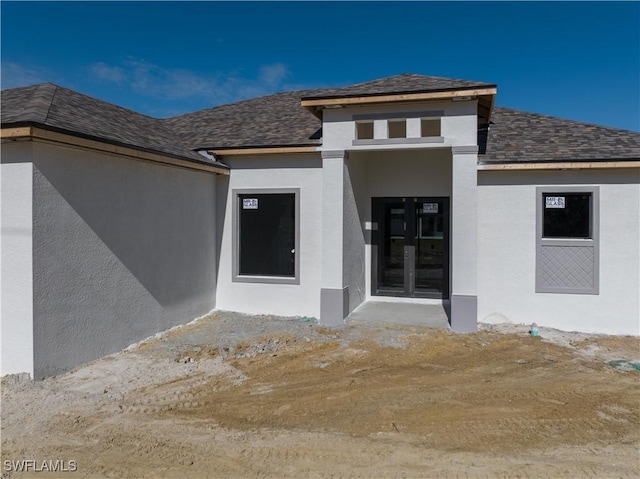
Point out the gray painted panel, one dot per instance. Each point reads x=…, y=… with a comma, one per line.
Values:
x=122, y=250
x=334, y=306
x=399, y=141
x=464, y=313
x=461, y=150
x=566, y=268
x=569, y=266
x=407, y=114
x=333, y=154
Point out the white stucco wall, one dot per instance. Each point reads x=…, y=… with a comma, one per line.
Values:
x=122, y=249
x=354, y=249
x=464, y=241
x=458, y=138
x=390, y=174
x=458, y=124
x=507, y=249
x=286, y=171
x=16, y=265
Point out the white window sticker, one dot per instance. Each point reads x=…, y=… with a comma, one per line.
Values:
x=249, y=203
x=554, y=202
x=429, y=207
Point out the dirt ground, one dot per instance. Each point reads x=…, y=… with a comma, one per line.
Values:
x=259, y=397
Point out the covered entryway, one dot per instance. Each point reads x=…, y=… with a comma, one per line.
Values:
x=401, y=311
x=411, y=247
x=400, y=224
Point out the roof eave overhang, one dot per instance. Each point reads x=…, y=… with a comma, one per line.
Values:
x=29, y=132
x=485, y=96
x=560, y=165
x=263, y=150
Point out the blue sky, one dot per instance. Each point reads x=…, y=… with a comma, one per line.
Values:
x=576, y=60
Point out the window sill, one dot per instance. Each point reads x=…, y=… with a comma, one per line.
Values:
x=399, y=141
x=265, y=279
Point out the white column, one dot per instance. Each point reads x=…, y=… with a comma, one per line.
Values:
x=464, y=238
x=16, y=270
x=334, y=295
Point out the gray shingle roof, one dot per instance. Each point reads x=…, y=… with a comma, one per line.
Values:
x=273, y=120
x=405, y=83
x=279, y=120
x=59, y=109
x=518, y=136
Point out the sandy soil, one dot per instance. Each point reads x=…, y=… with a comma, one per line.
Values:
x=239, y=396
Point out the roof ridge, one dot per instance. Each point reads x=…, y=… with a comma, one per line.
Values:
x=41, y=99
x=53, y=95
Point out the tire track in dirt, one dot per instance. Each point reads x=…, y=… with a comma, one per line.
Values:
x=484, y=405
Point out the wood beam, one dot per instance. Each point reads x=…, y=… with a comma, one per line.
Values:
x=573, y=165
x=265, y=151
x=397, y=97
x=35, y=133
x=15, y=133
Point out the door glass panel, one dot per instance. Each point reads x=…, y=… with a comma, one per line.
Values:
x=429, y=244
x=392, y=276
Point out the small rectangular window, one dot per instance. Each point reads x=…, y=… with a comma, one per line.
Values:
x=266, y=234
x=566, y=215
x=567, y=243
x=429, y=127
x=364, y=130
x=397, y=128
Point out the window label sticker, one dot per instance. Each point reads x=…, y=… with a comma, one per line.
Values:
x=429, y=207
x=554, y=202
x=249, y=203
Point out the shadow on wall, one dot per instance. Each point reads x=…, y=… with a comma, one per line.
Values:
x=122, y=250
x=160, y=224
x=222, y=192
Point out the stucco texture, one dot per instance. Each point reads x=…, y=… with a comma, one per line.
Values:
x=301, y=172
x=16, y=278
x=507, y=249
x=122, y=249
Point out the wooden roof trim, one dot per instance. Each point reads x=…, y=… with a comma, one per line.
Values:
x=491, y=100
x=264, y=150
x=397, y=97
x=31, y=133
x=568, y=165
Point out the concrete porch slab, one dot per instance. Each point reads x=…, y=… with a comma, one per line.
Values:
x=411, y=314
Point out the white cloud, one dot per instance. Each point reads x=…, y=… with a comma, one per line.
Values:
x=107, y=73
x=173, y=84
x=15, y=75
x=273, y=74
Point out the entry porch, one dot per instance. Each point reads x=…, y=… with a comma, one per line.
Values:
x=400, y=223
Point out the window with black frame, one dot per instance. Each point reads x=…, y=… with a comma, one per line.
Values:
x=267, y=234
x=566, y=215
x=568, y=238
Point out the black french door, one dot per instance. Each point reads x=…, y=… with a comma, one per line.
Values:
x=412, y=243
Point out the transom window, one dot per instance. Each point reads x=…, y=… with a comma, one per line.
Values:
x=430, y=127
x=397, y=128
x=364, y=130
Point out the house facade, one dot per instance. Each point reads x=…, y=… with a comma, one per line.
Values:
x=116, y=226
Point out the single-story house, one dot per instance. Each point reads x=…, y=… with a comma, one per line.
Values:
x=116, y=226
